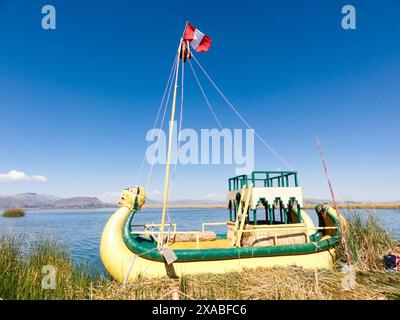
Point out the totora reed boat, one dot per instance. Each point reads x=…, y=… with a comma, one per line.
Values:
x=266, y=226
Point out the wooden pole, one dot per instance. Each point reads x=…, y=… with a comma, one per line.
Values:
x=328, y=178
x=167, y=167
x=342, y=236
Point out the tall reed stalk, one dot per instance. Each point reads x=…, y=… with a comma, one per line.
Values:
x=21, y=274
x=367, y=240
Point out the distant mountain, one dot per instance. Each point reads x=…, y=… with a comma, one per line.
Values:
x=81, y=202
x=186, y=203
x=348, y=202
x=44, y=201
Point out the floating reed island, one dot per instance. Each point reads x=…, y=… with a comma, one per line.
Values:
x=22, y=275
x=14, y=213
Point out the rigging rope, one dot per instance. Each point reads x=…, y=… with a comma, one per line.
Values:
x=162, y=123
x=205, y=96
x=208, y=103
x=156, y=120
x=240, y=116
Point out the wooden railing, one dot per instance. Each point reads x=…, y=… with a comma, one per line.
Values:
x=265, y=178
x=157, y=225
x=284, y=227
x=266, y=228
x=211, y=224
x=158, y=234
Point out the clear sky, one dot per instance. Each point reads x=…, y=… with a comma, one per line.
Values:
x=77, y=102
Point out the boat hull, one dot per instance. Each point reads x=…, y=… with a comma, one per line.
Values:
x=124, y=263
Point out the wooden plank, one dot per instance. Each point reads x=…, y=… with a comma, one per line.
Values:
x=238, y=215
x=244, y=215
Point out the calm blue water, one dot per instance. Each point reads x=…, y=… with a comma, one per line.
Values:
x=80, y=230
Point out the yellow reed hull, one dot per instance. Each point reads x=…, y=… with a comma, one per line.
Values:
x=117, y=258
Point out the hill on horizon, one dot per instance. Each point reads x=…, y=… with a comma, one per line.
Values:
x=30, y=200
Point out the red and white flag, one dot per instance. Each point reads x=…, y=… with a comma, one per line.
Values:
x=198, y=40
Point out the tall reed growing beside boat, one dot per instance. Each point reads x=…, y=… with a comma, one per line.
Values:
x=367, y=240
x=21, y=273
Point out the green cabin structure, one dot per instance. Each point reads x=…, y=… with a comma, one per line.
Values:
x=276, y=197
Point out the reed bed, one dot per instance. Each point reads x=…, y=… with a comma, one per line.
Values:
x=21, y=275
x=292, y=283
x=367, y=241
x=13, y=213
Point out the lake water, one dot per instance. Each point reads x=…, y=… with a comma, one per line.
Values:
x=80, y=230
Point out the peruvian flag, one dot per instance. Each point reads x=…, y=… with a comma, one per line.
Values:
x=198, y=40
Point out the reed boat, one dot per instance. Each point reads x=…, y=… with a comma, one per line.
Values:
x=266, y=224
x=266, y=227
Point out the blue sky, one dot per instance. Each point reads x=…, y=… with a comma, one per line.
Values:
x=76, y=102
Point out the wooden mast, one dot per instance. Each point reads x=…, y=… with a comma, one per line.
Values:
x=167, y=167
